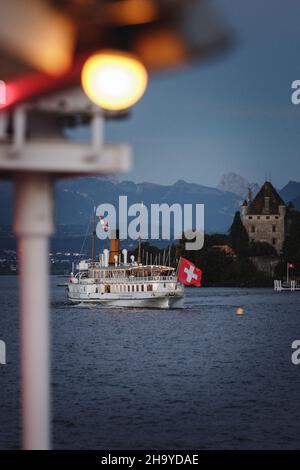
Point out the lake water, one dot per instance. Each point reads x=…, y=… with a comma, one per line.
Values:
x=198, y=378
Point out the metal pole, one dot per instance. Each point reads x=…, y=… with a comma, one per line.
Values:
x=33, y=225
x=97, y=125
x=93, y=234
x=287, y=273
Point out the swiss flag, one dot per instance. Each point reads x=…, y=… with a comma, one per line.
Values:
x=188, y=273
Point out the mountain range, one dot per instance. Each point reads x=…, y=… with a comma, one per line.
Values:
x=75, y=199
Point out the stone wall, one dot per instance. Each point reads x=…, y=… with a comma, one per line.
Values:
x=268, y=228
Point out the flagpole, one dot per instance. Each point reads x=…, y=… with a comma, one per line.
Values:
x=287, y=273
x=176, y=272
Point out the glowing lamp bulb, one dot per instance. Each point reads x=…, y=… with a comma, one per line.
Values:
x=114, y=80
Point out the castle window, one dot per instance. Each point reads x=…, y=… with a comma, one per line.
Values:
x=250, y=217
x=276, y=217
x=273, y=228
x=267, y=217
x=258, y=217
x=274, y=241
x=252, y=228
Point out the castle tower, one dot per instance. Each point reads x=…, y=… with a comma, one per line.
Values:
x=265, y=217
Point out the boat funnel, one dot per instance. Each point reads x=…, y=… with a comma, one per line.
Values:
x=106, y=257
x=101, y=260
x=124, y=252
x=114, y=247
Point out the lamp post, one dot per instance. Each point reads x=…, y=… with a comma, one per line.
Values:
x=33, y=227
x=34, y=164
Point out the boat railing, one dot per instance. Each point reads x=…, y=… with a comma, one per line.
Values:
x=131, y=279
x=291, y=285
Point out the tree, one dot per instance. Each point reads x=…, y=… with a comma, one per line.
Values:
x=261, y=249
x=238, y=236
x=291, y=247
x=216, y=239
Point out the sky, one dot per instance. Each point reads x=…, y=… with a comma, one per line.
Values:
x=231, y=114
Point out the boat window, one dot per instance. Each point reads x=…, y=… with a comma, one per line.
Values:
x=137, y=288
x=132, y=288
x=128, y=289
x=149, y=287
x=142, y=288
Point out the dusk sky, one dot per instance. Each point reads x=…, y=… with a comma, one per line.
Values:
x=230, y=114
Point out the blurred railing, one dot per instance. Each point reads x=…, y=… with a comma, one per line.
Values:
x=128, y=280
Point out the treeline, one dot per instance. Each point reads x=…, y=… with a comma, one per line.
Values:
x=229, y=259
x=233, y=268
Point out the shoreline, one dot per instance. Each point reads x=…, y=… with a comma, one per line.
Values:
x=227, y=285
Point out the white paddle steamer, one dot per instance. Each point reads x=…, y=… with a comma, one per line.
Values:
x=115, y=282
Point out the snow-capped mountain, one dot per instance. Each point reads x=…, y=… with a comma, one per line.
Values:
x=237, y=184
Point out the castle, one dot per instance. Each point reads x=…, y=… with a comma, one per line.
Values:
x=264, y=217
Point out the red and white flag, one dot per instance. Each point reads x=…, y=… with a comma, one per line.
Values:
x=188, y=273
x=291, y=266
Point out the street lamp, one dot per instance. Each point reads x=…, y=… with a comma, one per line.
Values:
x=114, y=80
x=35, y=159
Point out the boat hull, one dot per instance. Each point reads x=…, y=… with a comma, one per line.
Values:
x=156, y=302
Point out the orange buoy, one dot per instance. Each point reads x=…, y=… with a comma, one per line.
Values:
x=239, y=311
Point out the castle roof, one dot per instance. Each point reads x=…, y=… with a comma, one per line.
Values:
x=267, y=201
